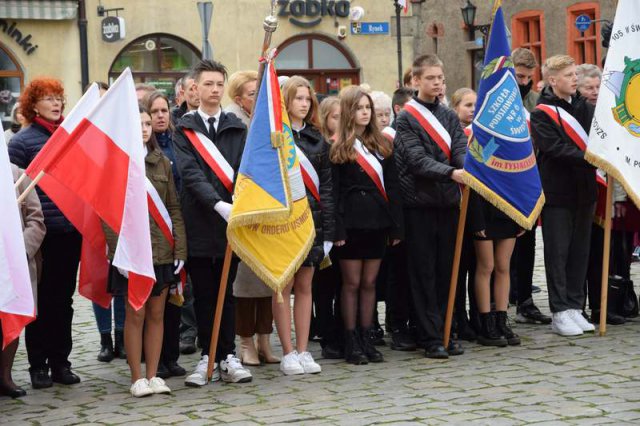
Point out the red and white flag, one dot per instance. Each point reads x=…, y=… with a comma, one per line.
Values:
x=403, y=4
x=16, y=297
x=103, y=165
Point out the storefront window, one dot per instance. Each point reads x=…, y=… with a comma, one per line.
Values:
x=156, y=59
x=11, y=80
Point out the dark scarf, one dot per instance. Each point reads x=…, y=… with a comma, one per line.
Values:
x=50, y=126
x=525, y=88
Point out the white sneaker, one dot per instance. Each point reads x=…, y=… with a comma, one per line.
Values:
x=576, y=316
x=158, y=385
x=140, y=388
x=232, y=371
x=199, y=376
x=291, y=365
x=308, y=364
x=563, y=325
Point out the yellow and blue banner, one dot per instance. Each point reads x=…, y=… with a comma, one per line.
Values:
x=270, y=227
x=500, y=164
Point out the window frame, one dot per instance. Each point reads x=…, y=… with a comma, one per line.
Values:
x=17, y=73
x=518, y=40
x=574, y=37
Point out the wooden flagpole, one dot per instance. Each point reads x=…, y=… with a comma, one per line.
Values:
x=464, y=206
x=30, y=187
x=604, y=292
x=270, y=24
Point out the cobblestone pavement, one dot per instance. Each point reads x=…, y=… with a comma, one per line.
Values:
x=548, y=380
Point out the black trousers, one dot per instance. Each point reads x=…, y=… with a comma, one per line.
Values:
x=171, y=337
x=466, y=283
x=522, y=263
x=567, y=238
x=205, y=275
x=594, y=269
x=395, y=276
x=431, y=234
x=327, y=285
x=48, y=338
x=188, y=324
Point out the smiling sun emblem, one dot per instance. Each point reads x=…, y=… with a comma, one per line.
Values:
x=627, y=109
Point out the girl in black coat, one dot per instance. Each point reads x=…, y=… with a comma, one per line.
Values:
x=313, y=152
x=369, y=215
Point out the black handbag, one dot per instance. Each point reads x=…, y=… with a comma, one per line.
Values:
x=622, y=299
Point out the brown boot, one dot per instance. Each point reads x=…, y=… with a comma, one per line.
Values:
x=264, y=349
x=248, y=353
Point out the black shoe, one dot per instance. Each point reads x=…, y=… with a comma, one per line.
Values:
x=612, y=318
x=401, y=340
x=436, y=352
x=535, y=289
x=455, y=348
x=106, y=348
x=465, y=331
x=40, y=378
x=163, y=372
x=175, y=369
x=490, y=335
x=370, y=351
x=528, y=313
x=118, y=347
x=64, y=376
x=353, y=353
x=503, y=327
x=12, y=391
x=331, y=351
x=187, y=347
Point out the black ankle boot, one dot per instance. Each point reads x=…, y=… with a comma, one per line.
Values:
x=118, y=349
x=106, y=348
x=503, y=328
x=489, y=334
x=353, y=353
x=370, y=351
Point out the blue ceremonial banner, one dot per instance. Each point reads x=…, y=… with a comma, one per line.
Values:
x=500, y=164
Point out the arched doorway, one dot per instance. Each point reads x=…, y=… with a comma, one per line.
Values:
x=156, y=59
x=325, y=62
x=11, y=84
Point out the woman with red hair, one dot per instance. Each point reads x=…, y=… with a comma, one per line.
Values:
x=48, y=338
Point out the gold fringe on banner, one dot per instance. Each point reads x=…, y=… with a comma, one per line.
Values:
x=603, y=164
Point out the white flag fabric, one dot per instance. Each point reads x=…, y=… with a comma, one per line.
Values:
x=16, y=297
x=614, y=139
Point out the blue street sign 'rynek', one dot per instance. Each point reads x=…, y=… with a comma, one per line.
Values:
x=370, y=28
x=583, y=22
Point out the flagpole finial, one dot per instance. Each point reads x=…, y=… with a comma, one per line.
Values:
x=270, y=23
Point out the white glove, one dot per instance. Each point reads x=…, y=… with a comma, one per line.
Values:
x=223, y=209
x=327, y=245
x=123, y=272
x=179, y=264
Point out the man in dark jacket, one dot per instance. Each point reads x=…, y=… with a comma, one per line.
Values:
x=569, y=184
x=430, y=149
x=209, y=145
x=190, y=96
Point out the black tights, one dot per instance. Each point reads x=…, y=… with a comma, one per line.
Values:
x=359, y=288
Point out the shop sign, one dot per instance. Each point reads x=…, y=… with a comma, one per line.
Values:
x=113, y=29
x=309, y=13
x=370, y=28
x=23, y=40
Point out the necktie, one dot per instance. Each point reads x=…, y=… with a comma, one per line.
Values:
x=212, y=128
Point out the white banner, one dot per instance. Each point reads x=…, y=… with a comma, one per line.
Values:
x=614, y=139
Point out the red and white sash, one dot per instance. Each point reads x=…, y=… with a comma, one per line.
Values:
x=213, y=157
x=309, y=174
x=573, y=129
x=389, y=133
x=431, y=125
x=161, y=217
x=371, y=167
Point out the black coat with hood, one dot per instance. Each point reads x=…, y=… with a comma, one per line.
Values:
x=316, y=149
x=201, y=188
x=568, y=180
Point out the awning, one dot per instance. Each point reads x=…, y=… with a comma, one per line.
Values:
x=38, y=9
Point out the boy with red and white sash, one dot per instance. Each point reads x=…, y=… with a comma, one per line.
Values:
x=209, y=145
x=559, y=126
x=430, y=148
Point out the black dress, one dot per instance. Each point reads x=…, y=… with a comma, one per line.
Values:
x=364, y=219
x=118, y=284
x=484, y=216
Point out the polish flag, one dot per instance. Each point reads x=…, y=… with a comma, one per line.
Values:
x=16, y=297
x=103, y=165
x=94, y=265
x=404, y=5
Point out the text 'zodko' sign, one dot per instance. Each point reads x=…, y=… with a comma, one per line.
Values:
x=309, y=13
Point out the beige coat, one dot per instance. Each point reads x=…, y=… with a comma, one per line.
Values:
x=32, y=227
x=247, y=284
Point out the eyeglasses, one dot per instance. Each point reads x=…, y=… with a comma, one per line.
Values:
x=53, y=99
